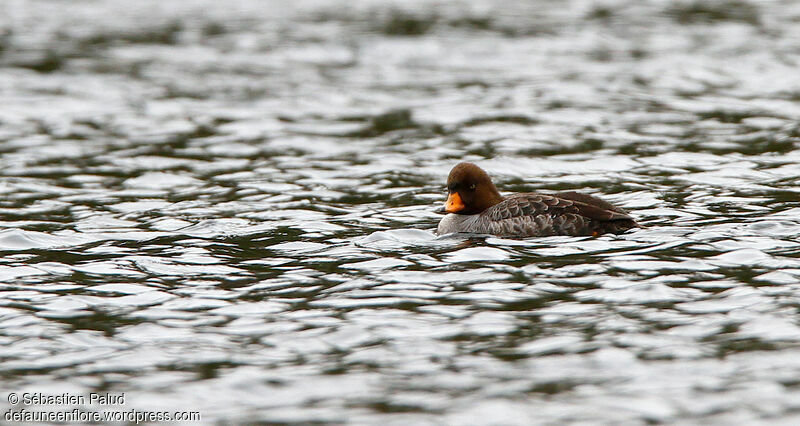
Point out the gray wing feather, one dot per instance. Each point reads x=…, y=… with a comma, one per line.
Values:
x=535, y=214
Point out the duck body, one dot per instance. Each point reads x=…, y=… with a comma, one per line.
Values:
x=475, y=206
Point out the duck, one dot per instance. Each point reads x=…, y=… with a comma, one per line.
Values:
x=474, y=205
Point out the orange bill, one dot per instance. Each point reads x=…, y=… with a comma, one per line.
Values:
x=454, y=203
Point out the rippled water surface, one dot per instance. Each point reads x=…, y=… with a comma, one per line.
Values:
x=229, y=207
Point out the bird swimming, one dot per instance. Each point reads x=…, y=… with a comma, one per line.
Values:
x=474, y=205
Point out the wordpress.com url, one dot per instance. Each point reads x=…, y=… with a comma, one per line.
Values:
x=78, y=415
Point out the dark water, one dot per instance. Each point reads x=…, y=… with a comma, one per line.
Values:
x=228, y=207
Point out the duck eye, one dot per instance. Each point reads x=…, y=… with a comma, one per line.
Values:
x=472, y=187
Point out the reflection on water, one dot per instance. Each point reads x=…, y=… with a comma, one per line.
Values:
x=228, y=207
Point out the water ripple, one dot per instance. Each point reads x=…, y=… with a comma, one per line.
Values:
x=231, y=209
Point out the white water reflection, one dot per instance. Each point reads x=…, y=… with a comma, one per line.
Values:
x=231, y=208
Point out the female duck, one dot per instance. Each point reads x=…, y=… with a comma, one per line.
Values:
x=475, y=206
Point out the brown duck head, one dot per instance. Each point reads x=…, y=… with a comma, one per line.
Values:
x=470, y=189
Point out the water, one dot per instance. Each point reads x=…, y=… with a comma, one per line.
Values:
x=229, y=208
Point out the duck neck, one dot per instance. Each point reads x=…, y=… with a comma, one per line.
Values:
x=496, y=197
x=488, y=198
